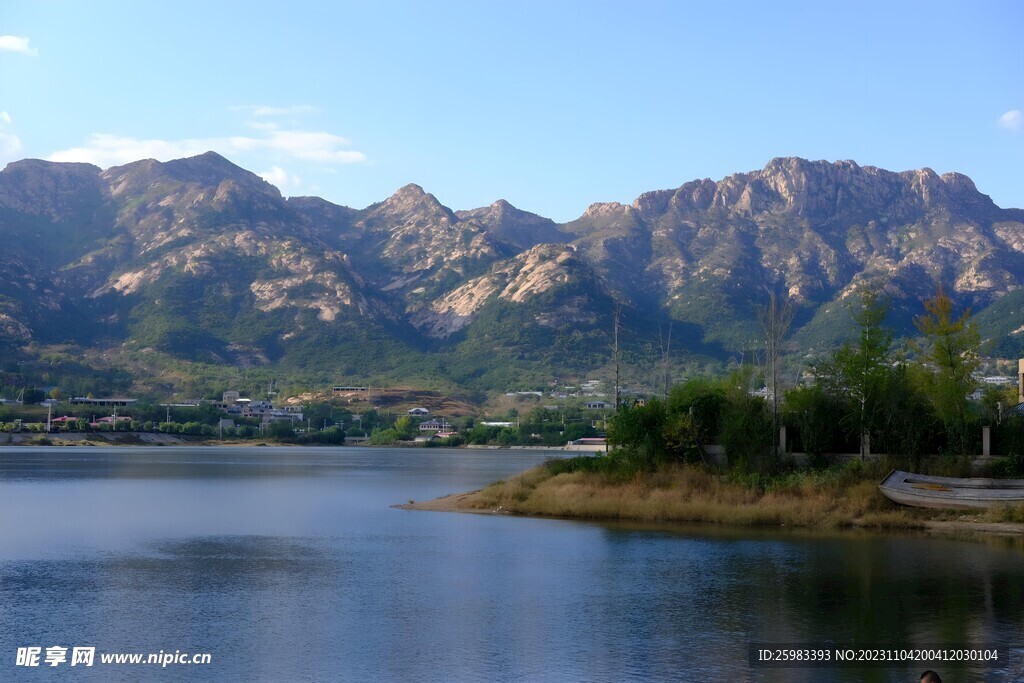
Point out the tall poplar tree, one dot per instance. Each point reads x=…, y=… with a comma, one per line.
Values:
x=950, y=356
x=858, y=370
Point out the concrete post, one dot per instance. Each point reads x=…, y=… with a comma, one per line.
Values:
x=986, y=441
x=1020, y=380
x=865, y=445
x=782, y=439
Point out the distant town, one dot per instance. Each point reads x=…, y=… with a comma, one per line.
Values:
x=567, y=415
x=573, y=416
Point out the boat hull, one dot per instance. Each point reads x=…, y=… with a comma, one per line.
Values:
x=918, y=490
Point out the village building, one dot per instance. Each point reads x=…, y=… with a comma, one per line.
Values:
x=105, y=402
x=436, y=425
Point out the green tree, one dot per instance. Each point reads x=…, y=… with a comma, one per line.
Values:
x=694, y=417
x=642, y=430
x=383, y=437
x=509, y=436
x=907, y=422
x=320, y=413
x=33, y=396
x=951, y=355
x=996, y=402
x=745, y=428
x=279, y=429
x=404, y=427
x=482, y=434
x=814, y=413
x=331, y=435
x=577, y=430
x=703, y=399
x=858, y=371
x=368, y=419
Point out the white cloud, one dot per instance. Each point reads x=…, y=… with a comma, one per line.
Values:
x=1012, y=120
x=312, y=146
x=112, y=150
x=18, y=44
x=10, y=144
x=271, y=140
x=281, y=178
x=266, y=110
x=263, y=125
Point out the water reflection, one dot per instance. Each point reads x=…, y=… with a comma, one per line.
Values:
x=292, y=566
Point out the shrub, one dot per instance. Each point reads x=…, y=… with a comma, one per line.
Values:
x=1010, y=467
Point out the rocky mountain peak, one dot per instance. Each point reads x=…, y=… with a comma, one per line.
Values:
x=501, y=214
x=33, y=167
x=411, y=201
x=59, y=191
x=959, y=184
x=799, y=182
x=607, y=209
x=208, y=170
x=132, y=178
x=410, y=190
x=412, y=195
x=821, y=190
x=512, y=225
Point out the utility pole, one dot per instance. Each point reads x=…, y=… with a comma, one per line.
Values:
x=666, y=348
x=618, y=315
x=775, y=317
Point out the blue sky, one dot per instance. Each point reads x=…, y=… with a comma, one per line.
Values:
x=550, y=105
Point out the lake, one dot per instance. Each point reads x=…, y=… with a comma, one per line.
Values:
x=289, y=564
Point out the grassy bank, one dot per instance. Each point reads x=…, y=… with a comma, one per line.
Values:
x=827, y=499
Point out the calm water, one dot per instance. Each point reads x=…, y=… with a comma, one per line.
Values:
x=290, y=565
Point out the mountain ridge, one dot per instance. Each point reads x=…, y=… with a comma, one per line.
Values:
x=150, y=255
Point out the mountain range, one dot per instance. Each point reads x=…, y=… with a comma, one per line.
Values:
x=179, y=274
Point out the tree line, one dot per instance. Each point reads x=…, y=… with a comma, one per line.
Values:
x=907, y=402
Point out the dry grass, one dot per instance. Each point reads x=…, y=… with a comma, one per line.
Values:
x=1004, y=513
x=682, y=493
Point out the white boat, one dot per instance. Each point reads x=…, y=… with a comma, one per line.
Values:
x=923, y=491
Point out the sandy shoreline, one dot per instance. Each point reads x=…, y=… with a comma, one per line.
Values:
x=460, y=502
x=456, y=502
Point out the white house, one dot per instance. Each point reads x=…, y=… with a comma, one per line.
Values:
x=435, y=425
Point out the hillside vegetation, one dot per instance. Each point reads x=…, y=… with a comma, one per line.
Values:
x=181, y=277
